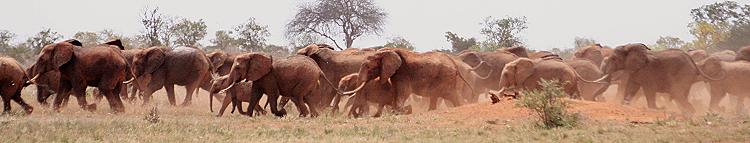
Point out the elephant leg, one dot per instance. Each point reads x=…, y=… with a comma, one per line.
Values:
x=189, y=90
x=682, y=100
x=717, y=94
x=650, y=98
x=17, y=98
x=336, y=101
x=739, y=107
x=56, y=104
x=254, y=99
x=258, y=108
x=301, y=107
x=455, y=98
x=284, y=101
x=380, y=110
x=79, y=92
x=98, y=95
x=124, y=92
x=133, y=92
x=6, y=103
x=112, y=99
x=311, y=103
x=41, y=96
x=170, y=94
x=224, y=104
x=433, y=103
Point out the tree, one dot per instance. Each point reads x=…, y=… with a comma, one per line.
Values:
x=154, y=24
x=276, y=50
x=224, y=41
x=87, y=38
x=459, y=43
x=666, y=42
x=737, y=38
x=5, y=38
x=503, y=32
x=300, y=41
x=251, y=36
x=579, y=42
x=400, y=42
x=332, y=18
x=188, y=33
x=714, y=24
x=43, y=38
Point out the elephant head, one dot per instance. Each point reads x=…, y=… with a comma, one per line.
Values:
x=217, y=59
x=743, y=54
x=698, y=55
x=471, y=58
x=146, y=62
x=712, y=66
x=53, y=56
x=519, y=51
x=317, y=51
x=630, y=57
x=382, y=64
x=592, y=53
x=516, y=72
x=250, y=66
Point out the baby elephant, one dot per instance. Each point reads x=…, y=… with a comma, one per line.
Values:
x=239, y=93
x=377, y=91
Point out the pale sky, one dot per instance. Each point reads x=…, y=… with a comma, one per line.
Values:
x=552, y=23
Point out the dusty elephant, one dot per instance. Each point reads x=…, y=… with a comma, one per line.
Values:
x=669, y=71
x=297, y=77
x=101, y=66
x=158, y=67
x=589, y=71
x=241, y=92
x=525, y=74
x=13, y=79
x=335, y=64
x=47, y=84
x=430, y=74
x=494, y=61
x=376, y=91
x=734, y=83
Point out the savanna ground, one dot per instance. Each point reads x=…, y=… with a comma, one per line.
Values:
x=482, y=122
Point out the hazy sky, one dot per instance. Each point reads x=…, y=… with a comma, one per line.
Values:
x=552, y=23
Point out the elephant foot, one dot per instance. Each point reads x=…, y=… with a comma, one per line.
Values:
x=185, y=104
x=280, y=113
x=29, y=109
x=90, y=107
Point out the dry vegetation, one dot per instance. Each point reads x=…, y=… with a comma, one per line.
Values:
x=483, y=122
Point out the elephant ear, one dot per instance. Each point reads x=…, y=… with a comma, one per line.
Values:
x=217, y=58
x=711, y=66
x=471, y=58
x=308, y=50
x=390, y=61
x=258, y=66
x=117, y=43
x=155, y=57
x=63, y=53
x=635, y=56
x=524, y=69
x=519, y=51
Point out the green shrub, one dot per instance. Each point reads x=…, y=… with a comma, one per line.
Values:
x=548, y=105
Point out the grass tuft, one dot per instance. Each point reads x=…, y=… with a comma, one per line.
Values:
x=548, y=105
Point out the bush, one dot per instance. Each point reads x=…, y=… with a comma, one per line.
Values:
x=548, y=104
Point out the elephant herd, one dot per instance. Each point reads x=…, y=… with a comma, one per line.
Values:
x=319, y=77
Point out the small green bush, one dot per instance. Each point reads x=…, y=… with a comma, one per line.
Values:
x=152, y=116
x=548, y=105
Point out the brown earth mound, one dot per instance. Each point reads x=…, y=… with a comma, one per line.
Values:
x=506, y=111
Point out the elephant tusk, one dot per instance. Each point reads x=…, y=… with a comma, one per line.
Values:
x=225, y=89
x=33, y=80
x=129, y=81
x=605, y=77
x=355, y=90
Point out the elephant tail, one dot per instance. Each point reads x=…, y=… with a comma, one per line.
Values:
x=700, y=71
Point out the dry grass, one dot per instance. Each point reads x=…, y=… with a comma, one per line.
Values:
x=197, y=124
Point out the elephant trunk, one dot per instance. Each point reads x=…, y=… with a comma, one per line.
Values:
x=355, y=90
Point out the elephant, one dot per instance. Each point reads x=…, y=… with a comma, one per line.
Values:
x=297, y=77
x=430, y=74
x=735, y=82
x=589, y=71
x=743, y=53
x=376, y=91
x=669, y=71
x=47, y=84
x=158, y=67
x=14, y=79
x=335, y=64
x=594, y=53
x=221, y=61
x=494, y=61
x=101, y=66
x=133, y=88
x=241, y=92
x=526, y=74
